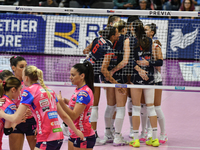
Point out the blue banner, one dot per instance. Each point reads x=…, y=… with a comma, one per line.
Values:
x=183, y=42
x=22, y=33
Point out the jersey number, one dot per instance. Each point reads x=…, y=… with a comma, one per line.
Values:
x=95, y=48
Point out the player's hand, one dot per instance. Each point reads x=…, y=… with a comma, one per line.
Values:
x=59, y=96
x=158, y=42
x=122, y=90
x=143, y=74
x=2, y=101
x=143, y=62
x=28, y=112
x=79, y=134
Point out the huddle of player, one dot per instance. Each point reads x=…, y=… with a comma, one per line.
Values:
x=124, y=53
x=25, y=91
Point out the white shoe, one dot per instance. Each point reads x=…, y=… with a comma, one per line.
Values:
x=99, y=142
x=119, y=140
x=65, y=130
x=149, y=133
x=163, y=138
x=108, y=138
x=143, y=137
x=131, y=134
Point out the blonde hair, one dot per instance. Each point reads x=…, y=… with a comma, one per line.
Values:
x=120, y=25
x=36, y=74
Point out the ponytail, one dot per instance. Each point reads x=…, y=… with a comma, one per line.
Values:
x=87, y=69
x=36, y=74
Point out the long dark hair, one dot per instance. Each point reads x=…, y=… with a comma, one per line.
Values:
x=87, y=69
x=108, y=32
x=8, y=84
x=15, y=59
x=143, y=40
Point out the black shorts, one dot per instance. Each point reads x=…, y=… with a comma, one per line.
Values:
x=89, y=142
x=159, y=83
x=136, y=79
x=50, y=145
x=97, y=78
x=27, y=127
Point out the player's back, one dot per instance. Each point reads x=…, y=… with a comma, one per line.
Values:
x=44, y=111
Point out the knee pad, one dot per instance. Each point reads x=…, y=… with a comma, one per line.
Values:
x=109, y=111
x=159, y=112
x=151, y=111
x=136, y=110
x=129, y=104
x=120, y=112
x=94, y=114
x=149, y=95
x=143, y=110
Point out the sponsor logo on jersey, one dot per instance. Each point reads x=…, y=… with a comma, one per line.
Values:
x=44, y=102
x=67, y=37
x=57, y=130
x=55, y=123
x=140, y=53
x=52, y=114
x=73, y=99
x=182, y=41
x=24, y=94
x=45, y=108
x=39, y=129
x=82, y=93
x=102, y=40
x=13, y=107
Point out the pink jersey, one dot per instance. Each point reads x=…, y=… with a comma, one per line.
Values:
x=9, y=108
x=45, y=112
x=83, y=95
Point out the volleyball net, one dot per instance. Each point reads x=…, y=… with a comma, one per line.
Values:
x=53, y=39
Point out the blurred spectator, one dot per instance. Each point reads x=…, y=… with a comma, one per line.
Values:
x=187, y=5
x=171, y=4
x=158, y=4
x=143, y=6
x=28, y=3
x=175, y=4
x=64, y=3
x=85, y=3
x=125, y=4
x=49, y=3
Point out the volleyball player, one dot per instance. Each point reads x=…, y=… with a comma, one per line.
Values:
x=9, y=89
x=80, y=104
x=16, y=139
x=157, y=63
x=141, y=47
x=45, y=106
x=101, y=53
x=113, y=95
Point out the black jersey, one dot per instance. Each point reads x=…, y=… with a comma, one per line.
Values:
x=100, y=48
x=137, y=53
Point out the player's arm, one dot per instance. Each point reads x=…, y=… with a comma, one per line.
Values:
x=68, y=121
x=104, y=68
x=17, y=117
x=73, y=114
x=126, y=55
x=87, y=49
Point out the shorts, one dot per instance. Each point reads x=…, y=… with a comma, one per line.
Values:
x=159, y=83
x=89, y=142
x=97, y=78
x=27, y=127
x=136, y=79
x=50, y=145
